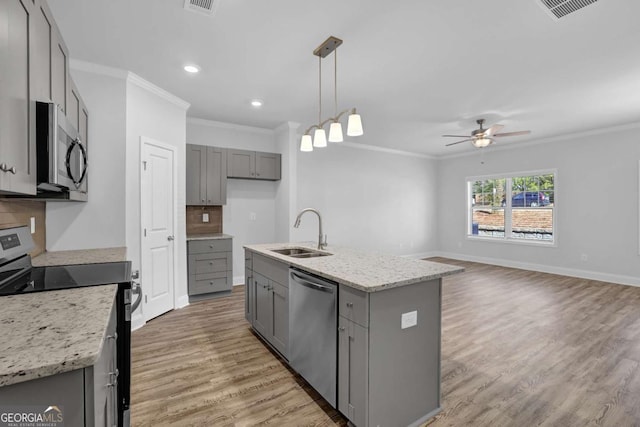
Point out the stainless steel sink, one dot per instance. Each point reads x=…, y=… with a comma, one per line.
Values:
x=300, y=252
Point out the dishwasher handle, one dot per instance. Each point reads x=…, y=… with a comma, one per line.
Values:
x=317, y=286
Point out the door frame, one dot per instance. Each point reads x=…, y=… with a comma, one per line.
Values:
x=144, y=140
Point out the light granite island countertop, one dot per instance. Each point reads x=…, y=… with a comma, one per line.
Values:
x=366, y=271
x=82, y=256
x=47, y=333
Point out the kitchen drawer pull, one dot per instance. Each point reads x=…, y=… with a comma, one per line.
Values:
x=210, y=262
x=350, y=304
x=113, y=337
x=341, y=328
x=5, y=168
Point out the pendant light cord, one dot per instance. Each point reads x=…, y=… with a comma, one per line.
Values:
x=335, y=82
x=319, y=90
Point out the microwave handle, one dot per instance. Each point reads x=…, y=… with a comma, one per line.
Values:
x=83, y=161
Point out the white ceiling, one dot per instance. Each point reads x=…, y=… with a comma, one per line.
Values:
x=415, y=69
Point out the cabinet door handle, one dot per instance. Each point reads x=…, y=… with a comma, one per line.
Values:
x=350, y=304
x=211, y=283
x=341, y=328
x=211, y=263
x=5, y=168
x=258, y=174
x=202, y=200
x=209, y=200
x=113, y=337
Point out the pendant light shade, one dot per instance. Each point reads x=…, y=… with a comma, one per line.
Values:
x=319, y=138
x=354, y=125
x=335, y=132
x=306, y=144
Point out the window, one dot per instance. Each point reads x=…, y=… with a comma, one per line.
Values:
x=512, y=207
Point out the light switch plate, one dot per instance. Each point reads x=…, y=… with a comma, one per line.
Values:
x=409, y=319
x=33, y=225
x=205, y=217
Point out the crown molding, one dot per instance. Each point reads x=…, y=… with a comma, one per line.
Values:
x=368, y=147
x=129, y=77
x=90, y=67
x=232, y=126
x=559, y=138
x=287, y=126
x=157, y=90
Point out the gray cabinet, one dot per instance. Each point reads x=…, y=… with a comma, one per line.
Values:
x=87, y=397
x=59, y=70
x=206, y=175
x=210, y=266
x=249, y=288
x=353, y=370
x=268, y=297
x=17, y=114
x=253, y=165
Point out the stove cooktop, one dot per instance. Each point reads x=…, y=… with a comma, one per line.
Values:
x=39, y=279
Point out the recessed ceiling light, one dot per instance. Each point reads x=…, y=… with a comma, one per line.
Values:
x=257, y=103
x=191, y=68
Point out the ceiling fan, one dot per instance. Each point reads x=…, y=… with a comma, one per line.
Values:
x=481, y=137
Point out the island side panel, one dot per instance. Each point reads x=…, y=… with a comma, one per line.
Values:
x=404, y=364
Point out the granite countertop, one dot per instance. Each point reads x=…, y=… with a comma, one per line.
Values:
x=366, y=271
x=208, y=236
x=47, y=333
x=84, y=256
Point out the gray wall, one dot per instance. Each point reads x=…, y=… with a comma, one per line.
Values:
x=596, y=205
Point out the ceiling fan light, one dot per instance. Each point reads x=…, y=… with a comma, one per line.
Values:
x=305, y=144
x=335, y=132
x=481, y=142
x=354, y=125
x=319, y=138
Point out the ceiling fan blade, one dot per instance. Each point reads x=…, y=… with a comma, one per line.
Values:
x=522, y=132
x=459, y=142
x=457, y=136
x=493, y=129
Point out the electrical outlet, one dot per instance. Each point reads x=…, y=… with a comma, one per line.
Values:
x=33, y=225
x=584, y=257
x=205, y=217
x=409, y=319
x=252, y=216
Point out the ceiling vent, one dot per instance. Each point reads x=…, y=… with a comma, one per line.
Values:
x=204, y=7
x=560, y=8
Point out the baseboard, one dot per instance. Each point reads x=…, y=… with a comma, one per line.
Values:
x=572, y=272
x=182, y=301
x=238, y=280
x=421, y=255
x=420, y=421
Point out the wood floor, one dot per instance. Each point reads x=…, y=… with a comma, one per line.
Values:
x=518, y=349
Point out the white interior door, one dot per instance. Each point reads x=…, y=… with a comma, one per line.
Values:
x=158, y=204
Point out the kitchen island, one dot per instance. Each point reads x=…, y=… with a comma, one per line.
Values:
x=388, y=325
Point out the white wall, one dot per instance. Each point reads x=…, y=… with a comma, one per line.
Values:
x=244, y=196
x=100, y=222
x=155, y=114
x=596, y=205
x=374, y=200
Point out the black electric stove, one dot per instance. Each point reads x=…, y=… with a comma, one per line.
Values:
x=18, y=276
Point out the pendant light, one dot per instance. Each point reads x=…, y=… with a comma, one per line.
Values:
x=354, y=124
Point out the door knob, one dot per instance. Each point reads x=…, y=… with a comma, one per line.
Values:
x=170, y=238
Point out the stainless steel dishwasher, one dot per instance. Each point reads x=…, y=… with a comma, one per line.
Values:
x=313, y=326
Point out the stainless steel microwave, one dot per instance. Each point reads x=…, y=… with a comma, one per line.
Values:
x=61, y=155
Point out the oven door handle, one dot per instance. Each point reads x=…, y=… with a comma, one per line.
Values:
x=137, y=290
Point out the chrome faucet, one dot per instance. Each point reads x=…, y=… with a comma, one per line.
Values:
x=321, y=244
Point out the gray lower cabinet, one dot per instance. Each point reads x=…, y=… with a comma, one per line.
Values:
x=353, y=360
x=253, y=165
x=17, y=114
x=206, y=175
x=210, y=266
x=249, y=287
x=86, y=397
x=267, y=300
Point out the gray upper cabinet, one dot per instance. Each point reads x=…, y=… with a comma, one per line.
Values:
x=59, y=70
x=41, y=47
x=73, y=105
x=206, y=175
x=253, y=165
x=17, y=113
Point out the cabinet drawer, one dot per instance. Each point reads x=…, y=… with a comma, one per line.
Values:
x=209, y=263
x=354, y=305
x=206, y=246
x=274, y=270
x=202, y=284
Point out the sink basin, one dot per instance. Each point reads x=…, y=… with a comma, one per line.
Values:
x=300, y=252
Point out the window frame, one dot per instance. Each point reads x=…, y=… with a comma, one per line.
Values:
x=508, y=216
